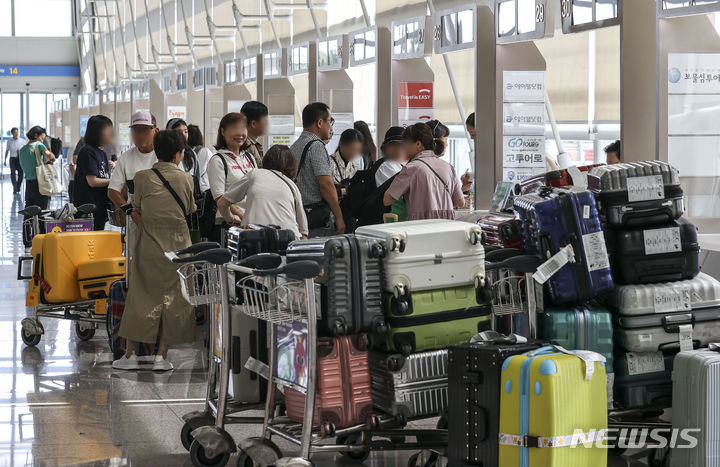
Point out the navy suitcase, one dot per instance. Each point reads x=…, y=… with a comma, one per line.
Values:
x=556, y=217
x=113, y=317
x=657, y=254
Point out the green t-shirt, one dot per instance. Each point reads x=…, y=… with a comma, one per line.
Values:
x=28, y=161
x=400, y=208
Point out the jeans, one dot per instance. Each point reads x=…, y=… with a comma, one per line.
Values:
x=16, y=174
x=33, y=198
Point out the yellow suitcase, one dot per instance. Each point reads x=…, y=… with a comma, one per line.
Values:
x=553, y=409
x=56, y=258
x=95, y=277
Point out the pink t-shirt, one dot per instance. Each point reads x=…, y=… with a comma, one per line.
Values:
x=427, y=195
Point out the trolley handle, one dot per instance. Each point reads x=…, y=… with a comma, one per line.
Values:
x=85, y=209
x=523, y=263
x=305, y=269
x=32, y=211
x=500, y=255
x=261, y=261
x=216, y=256
x=198, y=248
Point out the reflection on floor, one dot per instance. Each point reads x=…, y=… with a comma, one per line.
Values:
x=61, y=404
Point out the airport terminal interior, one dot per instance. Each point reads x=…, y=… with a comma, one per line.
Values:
x=423, y=233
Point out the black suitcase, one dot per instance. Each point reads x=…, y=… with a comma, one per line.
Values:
x=656, y=254
x=257, y=239
x=351, y=282
x=474, y=375
x=644, y=379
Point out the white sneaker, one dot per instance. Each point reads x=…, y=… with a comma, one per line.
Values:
x=126, y=363
x=162, y=364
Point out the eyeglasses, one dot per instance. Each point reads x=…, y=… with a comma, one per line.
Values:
x=332, y=121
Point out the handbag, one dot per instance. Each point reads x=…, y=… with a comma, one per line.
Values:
x=318, y=214
x=48, y=179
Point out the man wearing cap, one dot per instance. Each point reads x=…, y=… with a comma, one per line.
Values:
x=141, y=156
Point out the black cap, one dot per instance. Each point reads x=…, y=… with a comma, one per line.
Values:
x=393, y=135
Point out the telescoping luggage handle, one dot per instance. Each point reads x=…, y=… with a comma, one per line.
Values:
x=587, y=356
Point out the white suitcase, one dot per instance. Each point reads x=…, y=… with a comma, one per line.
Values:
x=696, y=405
x=429, y=254
x=653, y=317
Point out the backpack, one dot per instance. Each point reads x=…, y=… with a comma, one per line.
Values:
x=361, y=188
x=206, y=219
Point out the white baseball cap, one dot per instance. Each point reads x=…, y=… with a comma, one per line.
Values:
x=143, y=117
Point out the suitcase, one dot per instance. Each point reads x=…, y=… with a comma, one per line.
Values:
x=556, y=217
x=656, y=317
x=257, y=239
x=637, y=194
x=351, y=293
x=95, y=277
x=249, y=339
x=664, y=254
x=555, y=178
x=643, y=379
x=434, y=319
x=502, y=230
x=113, y=317
x=474, y=401
x=429, y=254
x=410, y=387
x=550, y=404
x=343, y=396
x=695, y=379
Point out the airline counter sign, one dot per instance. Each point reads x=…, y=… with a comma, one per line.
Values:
x=415, y=102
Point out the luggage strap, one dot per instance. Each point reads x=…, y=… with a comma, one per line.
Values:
x=574, y=439
x=587, y=356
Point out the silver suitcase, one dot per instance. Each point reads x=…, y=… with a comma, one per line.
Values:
x=696, y=405
x=654, y=317
x=249, y=339
x=412, y=387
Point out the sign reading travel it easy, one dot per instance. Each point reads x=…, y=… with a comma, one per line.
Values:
x=415, y=103
x=39, y=70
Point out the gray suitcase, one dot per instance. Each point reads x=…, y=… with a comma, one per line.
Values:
x=695, y=382
x=249, y=339
x=643, y=379
x=411, y=387
x=637, y=194
x=656, y=317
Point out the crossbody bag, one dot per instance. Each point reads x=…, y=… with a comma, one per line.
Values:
x=318, y=214
x=176, y=197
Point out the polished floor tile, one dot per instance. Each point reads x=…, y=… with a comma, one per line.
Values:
x=61, y=403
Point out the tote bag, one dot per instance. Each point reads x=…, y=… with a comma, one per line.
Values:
x=48, y=180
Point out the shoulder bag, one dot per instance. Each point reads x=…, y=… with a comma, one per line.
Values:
x=48, y=179
x=318, y=214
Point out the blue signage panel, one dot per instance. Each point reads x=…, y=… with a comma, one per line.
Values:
x=39, y=70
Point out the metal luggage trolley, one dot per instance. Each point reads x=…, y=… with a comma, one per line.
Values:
x=83, y=312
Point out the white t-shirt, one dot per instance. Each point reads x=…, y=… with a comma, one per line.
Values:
x=272, y=199
x=237, y=168
x=386, y=171
x=14, y=145
x=128, y=164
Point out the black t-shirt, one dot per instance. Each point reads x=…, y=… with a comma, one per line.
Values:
x=91, y=161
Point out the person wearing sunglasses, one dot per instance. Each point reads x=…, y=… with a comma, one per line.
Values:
x=314, y=174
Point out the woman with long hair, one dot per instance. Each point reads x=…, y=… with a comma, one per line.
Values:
x=369, y=152
x=92, y=175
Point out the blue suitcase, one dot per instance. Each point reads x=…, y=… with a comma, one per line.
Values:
x=556, y=217
x=113, y=317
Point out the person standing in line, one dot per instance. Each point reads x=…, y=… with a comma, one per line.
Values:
x=155, y=307
x=229, y=164
x=314, y=175
x=344, y=157
x=369, y=152
x=427, y=183
x=189, y=163
x=141, y=156
x=256, y=115
x=612, y=152
x=196, y=141
x=28, y=156
x=92, y=175
x=11, y=150
x=470, y=125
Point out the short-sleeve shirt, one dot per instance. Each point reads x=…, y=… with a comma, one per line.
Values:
x=129, y=163
x=272, y=199
x=27, y=158
x=342, y=170
x=427, y=195
x=91, y=161
x=221, y=182
x=317, y=163
x=14, y=145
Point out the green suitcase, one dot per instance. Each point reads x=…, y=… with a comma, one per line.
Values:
x=433, y=319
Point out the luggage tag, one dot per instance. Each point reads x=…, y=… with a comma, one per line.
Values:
x=496, y=337
x=579, y=178
x=556, y=262
x=686, y=340
x=645, y=188
x=587, y=356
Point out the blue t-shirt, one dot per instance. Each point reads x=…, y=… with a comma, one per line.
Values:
x=91, y=161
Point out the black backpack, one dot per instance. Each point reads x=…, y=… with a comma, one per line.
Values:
x=361, y=188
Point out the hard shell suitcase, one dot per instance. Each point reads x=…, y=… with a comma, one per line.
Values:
x=474, y=401
x=695, y=380
x=257, y=239
x=502, y=230
x=351, y=292
x=116, y=308
x=658, y=254
x=429, y=254
x=555, y=178
x=556, y=217
x=637, y=193
x=56, y=259
x=411, y=387
x=95, y=277
x=655, y=317
x=551, y=405
x=343, y=396
x=643, y=379
x=434, y=319
x=249, y=340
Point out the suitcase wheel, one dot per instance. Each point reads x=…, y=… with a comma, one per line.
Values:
x=377, y=251
x=352, y=440
x=397, y=244
x=327, y=429
x=476, y=237
x=395, y=362
x=30, y=340
x=338, y=328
